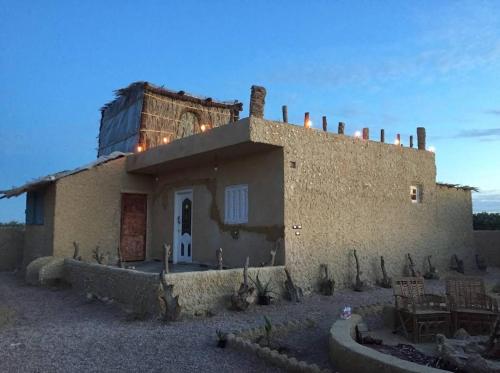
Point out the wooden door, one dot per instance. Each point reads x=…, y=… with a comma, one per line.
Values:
x=133, y=227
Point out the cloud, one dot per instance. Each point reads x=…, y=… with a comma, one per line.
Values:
x=483, y=135
x=464, y=37
x=488, y=200
x=491, y=133
x=493, y=111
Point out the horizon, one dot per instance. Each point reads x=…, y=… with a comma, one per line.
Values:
x=393, y=66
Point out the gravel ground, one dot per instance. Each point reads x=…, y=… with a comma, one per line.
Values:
x=55, y=330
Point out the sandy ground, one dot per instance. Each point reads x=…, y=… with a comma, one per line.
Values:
x=55, y=330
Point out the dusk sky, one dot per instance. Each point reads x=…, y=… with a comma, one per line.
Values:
x=379, y=64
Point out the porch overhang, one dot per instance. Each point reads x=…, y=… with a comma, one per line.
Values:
x=218, y=144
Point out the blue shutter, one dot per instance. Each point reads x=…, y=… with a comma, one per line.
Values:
x=39, y=207
x=34, y=207
x=30, y=207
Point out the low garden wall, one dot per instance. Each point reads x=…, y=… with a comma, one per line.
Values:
x=138, y=290
x=488, y=246
x=199, y=292
x=11, y=248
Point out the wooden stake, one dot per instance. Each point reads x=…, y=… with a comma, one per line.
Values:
x=218, y=254
x=421, y=138
x=366, y=134
x=76, y=254
x=398, y=138
x=325, y=124
x=382, y=135
x=167, y=249
x=341, y=128
x=284, y=109
x=411, y=141
x=307, y=122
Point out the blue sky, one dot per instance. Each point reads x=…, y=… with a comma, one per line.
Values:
x=391, y=64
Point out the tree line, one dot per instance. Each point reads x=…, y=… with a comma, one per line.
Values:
x=486, y=221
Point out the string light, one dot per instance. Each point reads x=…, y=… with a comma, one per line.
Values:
x=139, y=148
x=432, y=149
x=309, y=124
x=203, y=128
x=165, y=140
x=357, y=134
x=397, y=142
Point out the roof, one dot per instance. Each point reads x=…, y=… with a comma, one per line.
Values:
x=43, y=181
x=458, y=186
x=179, y=95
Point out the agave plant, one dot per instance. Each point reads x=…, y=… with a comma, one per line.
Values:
x=264, y=290
x=221, y=338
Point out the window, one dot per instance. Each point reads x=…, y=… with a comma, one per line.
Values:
x=236, y=204
x=34, y=208
x=416, y=193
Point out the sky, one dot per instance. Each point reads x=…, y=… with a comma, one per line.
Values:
x=395, y=65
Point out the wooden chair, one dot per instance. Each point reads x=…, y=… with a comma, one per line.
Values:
x=472, y=309
x=419, y=314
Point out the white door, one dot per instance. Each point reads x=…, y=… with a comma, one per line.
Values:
x=183, y=222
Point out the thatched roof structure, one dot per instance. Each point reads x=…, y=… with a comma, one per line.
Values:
x=458, y=186
x=178, y=95
x=148, y=115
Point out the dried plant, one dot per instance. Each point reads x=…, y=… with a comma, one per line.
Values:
x=97, y=255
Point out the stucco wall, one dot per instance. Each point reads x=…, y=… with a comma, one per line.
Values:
x=11, y=248
x=262, y=172
x=131, y=288
x=208, y=290
x=39, y=239
x=199, y=292
x=488, y=246
x=348, y=194
x=88, y=208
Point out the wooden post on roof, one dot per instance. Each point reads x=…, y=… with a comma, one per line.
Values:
x=325, y=124
x=411, y=141
x=366, y=134
x=341, y=128
x=382, y=135
x=307, y=121
x=421, y=138
x=398, y=139
x=257, y=101
x=284, y=109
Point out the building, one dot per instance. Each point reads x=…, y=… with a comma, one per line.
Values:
x=251, y=186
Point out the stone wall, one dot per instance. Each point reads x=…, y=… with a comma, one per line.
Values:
x=203, y=291
x=347, y=193
x=488, y=246
x=11, y=248
x=199, y=292
x=128, y=287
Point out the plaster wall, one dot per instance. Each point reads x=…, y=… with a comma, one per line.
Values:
x=39, y=239
x=348, y=194
x=11, y=248
x=488, y=246
x=199, y=292
x=88, y=208
x=263, y=172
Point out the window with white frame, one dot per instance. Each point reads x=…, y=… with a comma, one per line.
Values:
x=236, y=204
x=416, y=193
